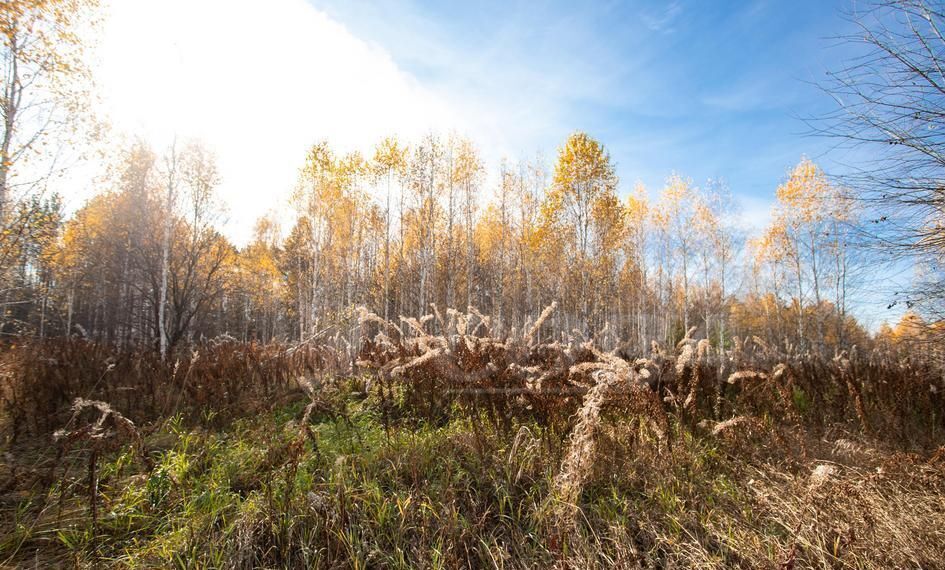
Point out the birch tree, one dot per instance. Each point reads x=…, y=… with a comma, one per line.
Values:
x=169, y=206
x=583, y=174
x=390, y=163
x=44, y=90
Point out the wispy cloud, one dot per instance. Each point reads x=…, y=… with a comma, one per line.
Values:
x=662, y=20
x=754, y=212
x=747, y=95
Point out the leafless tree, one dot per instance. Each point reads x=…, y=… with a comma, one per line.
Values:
x=891, y=115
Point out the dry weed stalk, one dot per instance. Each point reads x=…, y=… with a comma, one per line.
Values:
x=108, y=431
x=613, y=375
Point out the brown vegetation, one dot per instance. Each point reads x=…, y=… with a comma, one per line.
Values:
x=840, y=459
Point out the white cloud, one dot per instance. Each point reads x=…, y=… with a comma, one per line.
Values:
x=754, y=214
x=258, y=82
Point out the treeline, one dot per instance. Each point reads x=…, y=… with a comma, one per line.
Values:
x=405, y=228
x=413, y=227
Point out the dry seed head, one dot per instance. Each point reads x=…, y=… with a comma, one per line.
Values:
x=761, y=343
x=703, y=348
x=97, y=431
x=483, y=321
x=821, y=475
x=307, y=386
x=439, y=318
x=366, y=316
x=579, y=460
x=382, y=339
x=847, y=448
x=744, y=375
x=687, y=338
x=729, y=425
x=426, y=357
x=530, y=335
x=842, y=361
x=684, y=360
x=415, y=325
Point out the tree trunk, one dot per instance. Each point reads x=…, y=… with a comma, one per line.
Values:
x=12, y=95
x=165, y=251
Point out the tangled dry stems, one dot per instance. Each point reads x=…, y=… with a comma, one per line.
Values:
x=39, y=381
x=570, y=384
x=754, y=403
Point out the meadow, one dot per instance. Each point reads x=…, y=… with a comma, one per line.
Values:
x=432, y=444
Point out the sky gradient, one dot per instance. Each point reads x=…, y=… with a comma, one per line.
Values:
x=710, y=90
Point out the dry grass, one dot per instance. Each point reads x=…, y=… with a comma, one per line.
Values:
x=444, y=446
x=40, y=380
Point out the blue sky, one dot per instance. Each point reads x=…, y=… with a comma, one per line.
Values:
x=707, y=89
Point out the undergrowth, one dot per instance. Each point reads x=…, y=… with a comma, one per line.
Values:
x=458, y=450
x=357, y=495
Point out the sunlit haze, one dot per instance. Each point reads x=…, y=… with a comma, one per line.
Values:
x=258, y=86
x=260, y=82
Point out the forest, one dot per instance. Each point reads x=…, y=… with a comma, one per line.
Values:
x=427, y=360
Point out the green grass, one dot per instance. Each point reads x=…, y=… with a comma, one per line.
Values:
x=461, y=493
